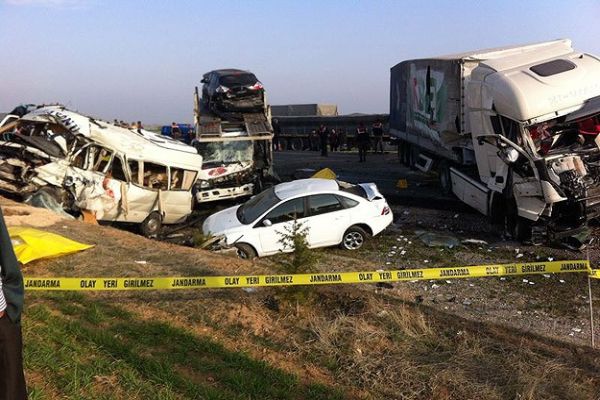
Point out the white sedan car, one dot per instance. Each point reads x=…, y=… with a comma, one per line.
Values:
x=335, y=213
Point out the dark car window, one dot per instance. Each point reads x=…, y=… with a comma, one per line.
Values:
x=288, y=211
x=257, y=205
x=347, y=202
x=238, y=80
x=323, y=203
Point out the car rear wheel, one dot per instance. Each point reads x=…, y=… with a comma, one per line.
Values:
x=245, y=251
x=354, y=238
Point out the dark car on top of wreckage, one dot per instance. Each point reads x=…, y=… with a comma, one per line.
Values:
x=232, y=90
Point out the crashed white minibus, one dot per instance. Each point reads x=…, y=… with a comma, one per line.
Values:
x=119, y=174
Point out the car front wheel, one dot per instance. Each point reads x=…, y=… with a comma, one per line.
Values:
x=245, y=251
x=354, y=238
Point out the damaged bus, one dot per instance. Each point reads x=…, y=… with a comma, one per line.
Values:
x=118, y=174
x=513, y=132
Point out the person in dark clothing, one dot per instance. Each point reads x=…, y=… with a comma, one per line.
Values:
x=362, y=142
x=313, y=140
x=12, y=379
x=377, y=130
x=334, y=141
x=324, y=138
x=276, y=133
x=175, y=131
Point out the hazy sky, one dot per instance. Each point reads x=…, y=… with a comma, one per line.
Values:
x=141, y=59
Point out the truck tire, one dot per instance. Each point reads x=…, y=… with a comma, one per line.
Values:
x=245, y=251
x=283, y=144
x=152, y=225
x=413, y=156
x=445, y=177
x=403, y=151
x=517, y=227
x=296, y=144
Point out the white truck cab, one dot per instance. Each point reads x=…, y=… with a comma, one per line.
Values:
x=514, y=130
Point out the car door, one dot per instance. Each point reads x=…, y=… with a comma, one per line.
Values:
x=280, y=221
x=327, y=221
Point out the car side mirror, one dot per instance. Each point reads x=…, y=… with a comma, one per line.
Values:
x=267, y=222
x=203, y=80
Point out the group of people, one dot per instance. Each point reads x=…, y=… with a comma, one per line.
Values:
x=332, y=139
x=326, y=138
x=133, y=125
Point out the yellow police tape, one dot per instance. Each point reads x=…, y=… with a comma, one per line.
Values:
x=325, y=278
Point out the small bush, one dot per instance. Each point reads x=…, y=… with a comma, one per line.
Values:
x=303, y=260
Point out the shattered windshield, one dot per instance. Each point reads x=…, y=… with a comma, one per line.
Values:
x=238, y=80
x=219, y=153
x=560, y=134
x=257, y=205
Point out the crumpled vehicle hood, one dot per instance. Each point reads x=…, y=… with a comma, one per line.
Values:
x=371, y=191
x=222, y=222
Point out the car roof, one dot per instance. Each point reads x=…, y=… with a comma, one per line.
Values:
x=229, y=71
x=305, y=186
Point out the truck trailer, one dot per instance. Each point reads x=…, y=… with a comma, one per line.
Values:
x=513, y=132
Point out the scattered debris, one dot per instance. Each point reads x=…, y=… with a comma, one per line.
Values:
x=402, y=184
x=475, y=242
x=433, y=239
x=43, y=199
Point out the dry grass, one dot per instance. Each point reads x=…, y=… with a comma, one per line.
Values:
x=369, y=343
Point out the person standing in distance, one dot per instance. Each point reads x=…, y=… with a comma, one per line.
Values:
x=324, y=137
x=12, y=379
x=377, y=130
x=362, y=142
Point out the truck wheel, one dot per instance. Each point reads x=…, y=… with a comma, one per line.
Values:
x=245, y=251
x=516, y=226
x=354, y=238
x=152, y=225
x=296, y=144
x=403, y=148
x=413, y=156
x=283, y=144
x=444, y=177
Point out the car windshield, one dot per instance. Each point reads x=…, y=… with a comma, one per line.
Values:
x=238, y=80
x=218, y=153
x=256, y=206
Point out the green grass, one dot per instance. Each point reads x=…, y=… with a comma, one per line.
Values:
x=79, y=348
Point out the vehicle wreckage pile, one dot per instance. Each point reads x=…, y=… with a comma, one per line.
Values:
x=81, y=163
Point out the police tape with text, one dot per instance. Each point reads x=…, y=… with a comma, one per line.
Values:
x=238, y=281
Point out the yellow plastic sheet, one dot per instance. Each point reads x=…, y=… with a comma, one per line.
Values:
x=325, y=173
x=32, y=244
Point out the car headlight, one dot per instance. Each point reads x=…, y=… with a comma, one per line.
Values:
x=204, y=184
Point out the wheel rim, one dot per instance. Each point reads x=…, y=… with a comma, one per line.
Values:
x=353, y=240
x=242, y=254
x=152, y=225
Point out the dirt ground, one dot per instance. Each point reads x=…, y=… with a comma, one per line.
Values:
x=555, y=305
